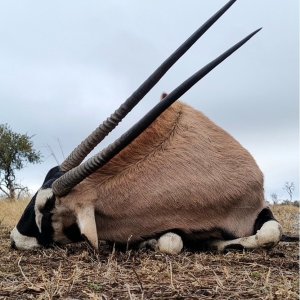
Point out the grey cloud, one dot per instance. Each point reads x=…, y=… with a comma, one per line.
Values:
x=67, y=65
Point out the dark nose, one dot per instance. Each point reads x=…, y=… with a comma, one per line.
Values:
x=13, y=245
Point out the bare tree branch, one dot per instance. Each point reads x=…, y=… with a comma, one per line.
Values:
x=61, y=149
x=52, y=153
x=289, y=187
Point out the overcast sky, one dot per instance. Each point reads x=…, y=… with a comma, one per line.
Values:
x=67, y=65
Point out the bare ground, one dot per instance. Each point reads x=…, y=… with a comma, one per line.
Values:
x=75, y=272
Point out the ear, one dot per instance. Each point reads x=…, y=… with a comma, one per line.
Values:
x=163, y=95
x=87, y=225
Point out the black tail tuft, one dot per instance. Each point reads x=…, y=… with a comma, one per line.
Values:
x=264, y=216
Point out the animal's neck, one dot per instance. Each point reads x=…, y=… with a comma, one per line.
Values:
x=152, y=140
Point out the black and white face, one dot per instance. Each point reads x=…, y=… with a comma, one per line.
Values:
x=43, y=222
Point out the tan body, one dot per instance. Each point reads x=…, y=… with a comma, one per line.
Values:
x=184, y=172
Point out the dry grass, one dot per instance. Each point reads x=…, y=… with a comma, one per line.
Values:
x=75, y=272
x=11, y=211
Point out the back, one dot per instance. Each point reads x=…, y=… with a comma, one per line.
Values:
x=182, y=172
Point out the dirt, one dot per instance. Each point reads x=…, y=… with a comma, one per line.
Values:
x=76, y=272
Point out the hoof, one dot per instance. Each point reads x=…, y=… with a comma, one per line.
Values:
x=170, y=243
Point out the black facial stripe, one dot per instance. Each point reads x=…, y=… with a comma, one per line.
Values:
x=49, y=205
x=27, y=225
x=46, y=237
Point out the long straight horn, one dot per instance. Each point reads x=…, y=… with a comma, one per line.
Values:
x=87, y=145
x=65, y=183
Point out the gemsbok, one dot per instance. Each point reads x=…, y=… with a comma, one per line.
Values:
x=175, y=179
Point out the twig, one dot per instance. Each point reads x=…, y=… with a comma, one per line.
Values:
x=128, y=241
x=139, y=280
x=129, y=293
x=267, y=278
x=171, y=275
x=52, y=153
x=218, y=280
x=61, y=149
x=25, y=277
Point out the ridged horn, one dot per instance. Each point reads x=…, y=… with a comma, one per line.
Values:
x=66, y=182
x=88, y=144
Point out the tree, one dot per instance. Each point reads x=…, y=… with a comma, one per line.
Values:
x=274, y=197
x=16, y=150
x=289, y=187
